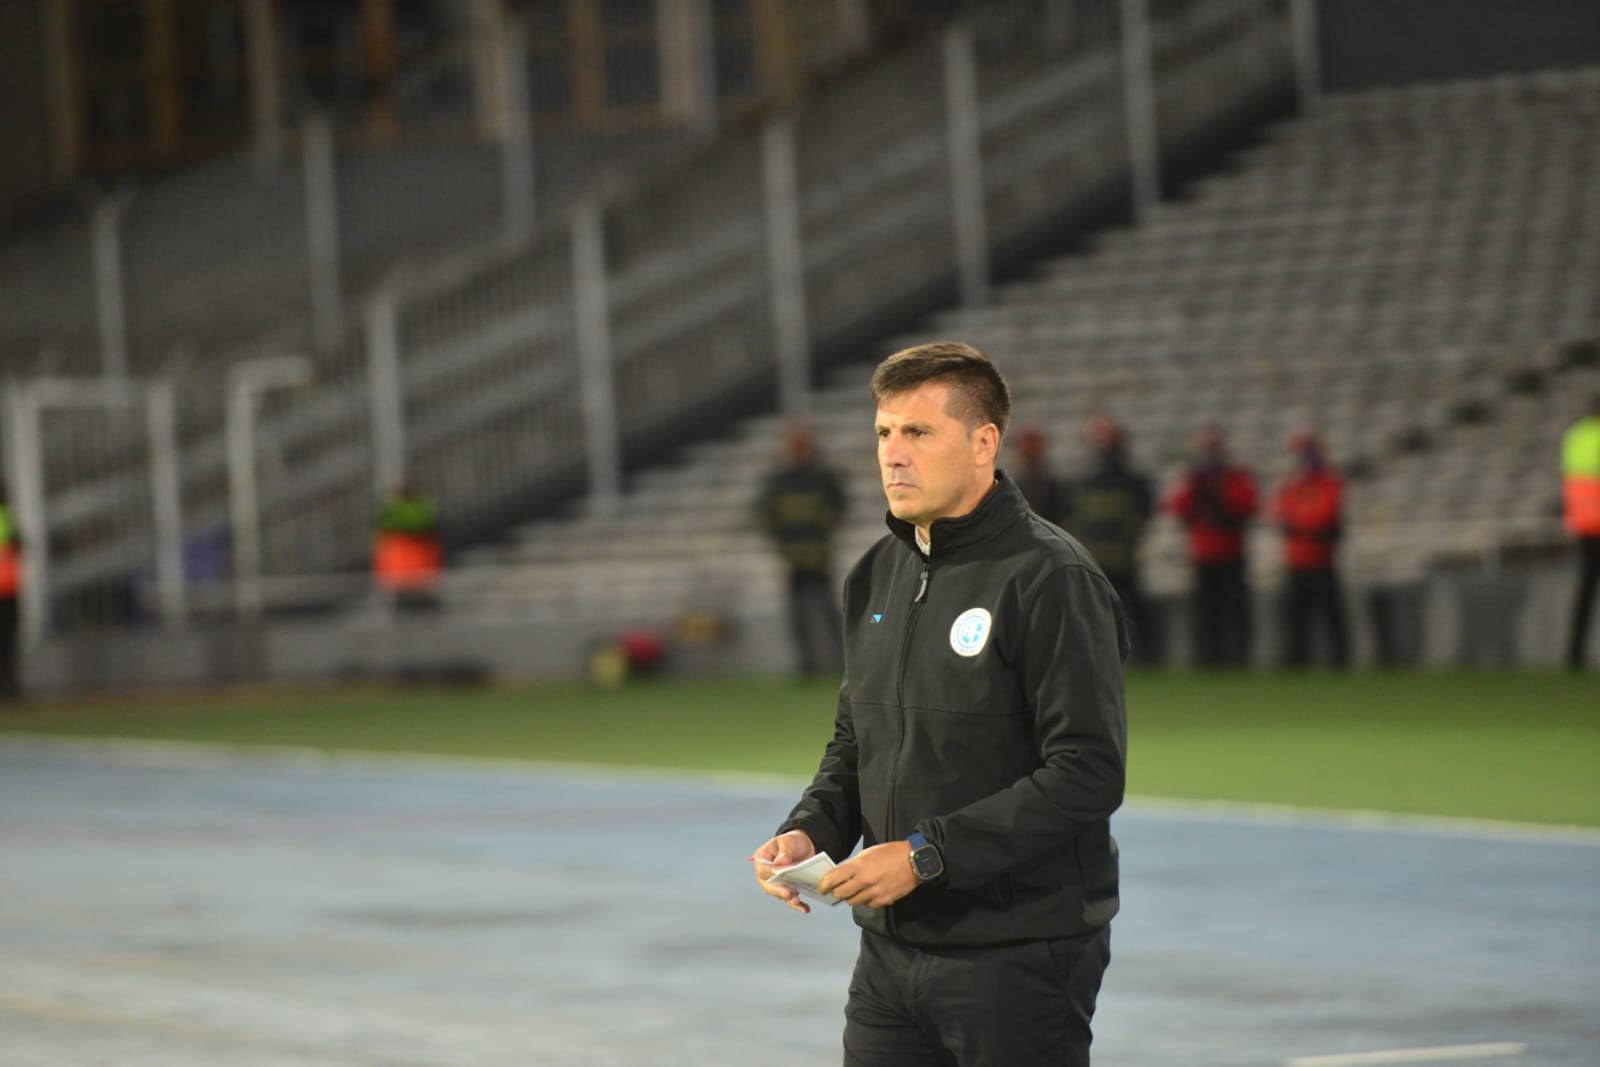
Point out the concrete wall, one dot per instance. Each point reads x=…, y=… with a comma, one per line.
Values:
x=1511, y=619
x=1370, y=43
x=438, y=648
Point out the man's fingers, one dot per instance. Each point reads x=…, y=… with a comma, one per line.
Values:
x=841, y=874
x=788, y=896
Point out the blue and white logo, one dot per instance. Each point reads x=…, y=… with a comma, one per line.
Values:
x=970, y=632
x=877, y=616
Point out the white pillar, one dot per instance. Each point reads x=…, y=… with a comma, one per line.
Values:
x=596, y=384
x=105, y=230
x=1139, y=103
x=385, y=389
x=25, y=458
x=964, y=145
x=855, y=26
x=246, y=382
x=266, y=79
x=161, y=422
x=516, y=146
x=322, y=234
x=487, y=28
x=686, y=30
x=244, y=518
x=786, y=274
x=1307, y=51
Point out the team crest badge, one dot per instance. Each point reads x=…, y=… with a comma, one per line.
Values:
x=970, y=632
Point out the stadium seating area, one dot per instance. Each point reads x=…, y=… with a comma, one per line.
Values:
x=488, y=341
x=1414, y=273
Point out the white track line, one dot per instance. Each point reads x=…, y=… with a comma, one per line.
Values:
x=1437, y=1054
x=1385, y=822
x=215, y=753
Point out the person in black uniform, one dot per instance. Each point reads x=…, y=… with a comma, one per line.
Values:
x=1039, y=484
x=800, y=507
x=1108, y=510
x=978, y=749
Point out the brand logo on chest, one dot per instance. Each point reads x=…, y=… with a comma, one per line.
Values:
x=970, y=632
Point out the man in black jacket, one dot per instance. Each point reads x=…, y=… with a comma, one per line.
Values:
x=978, y=749
x=800, y=506
x=1107, y=511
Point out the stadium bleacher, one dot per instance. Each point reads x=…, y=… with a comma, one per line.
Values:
x=1412, y=272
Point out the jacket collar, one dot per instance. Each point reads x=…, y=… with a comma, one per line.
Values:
x=1003, y=505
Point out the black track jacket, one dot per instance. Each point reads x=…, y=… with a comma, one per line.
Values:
x=983, y=705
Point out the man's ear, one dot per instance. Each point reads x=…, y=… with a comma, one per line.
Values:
x=987, y=444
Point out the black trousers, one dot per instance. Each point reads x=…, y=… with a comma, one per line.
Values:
x=814, y=622
x=1024, y=1005
x=1314, y=600
x=10, y=683
x=1221, y=619
x=1583, y=600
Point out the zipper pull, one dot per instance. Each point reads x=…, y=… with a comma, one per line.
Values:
x=922, y=588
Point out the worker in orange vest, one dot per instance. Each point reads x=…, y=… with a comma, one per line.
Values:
x=407, y=556
x=10, y=588
x=1580, y=468
x=1309, y=509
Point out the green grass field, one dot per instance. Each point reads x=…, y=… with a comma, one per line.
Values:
x=1488, y=745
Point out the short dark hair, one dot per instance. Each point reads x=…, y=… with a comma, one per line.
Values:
x=977, y=392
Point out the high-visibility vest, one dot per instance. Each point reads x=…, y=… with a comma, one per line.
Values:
x=10, y=556
x=10, y=570
x=404, y=561
x=1580, y=468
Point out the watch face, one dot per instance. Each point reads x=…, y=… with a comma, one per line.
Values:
x=926, y=863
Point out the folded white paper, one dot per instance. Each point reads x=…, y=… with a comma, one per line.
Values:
x=804, y=876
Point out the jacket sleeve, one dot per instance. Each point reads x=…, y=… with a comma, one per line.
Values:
x=1180, y=501
x=838, y=499
x=830, y=809
x=1242, y=495
x=1073, y=644
x=762, y=510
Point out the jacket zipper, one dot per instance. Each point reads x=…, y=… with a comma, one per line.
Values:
x=905, y=652
x=900, y=699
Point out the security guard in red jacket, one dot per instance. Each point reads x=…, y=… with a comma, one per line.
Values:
x=10, y=589
x=1309, y=509
x=1216, y=501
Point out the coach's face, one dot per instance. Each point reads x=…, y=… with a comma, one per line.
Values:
x=933, y=466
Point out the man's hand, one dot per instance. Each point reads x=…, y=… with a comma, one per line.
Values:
x=783, y=851
x=876, y=878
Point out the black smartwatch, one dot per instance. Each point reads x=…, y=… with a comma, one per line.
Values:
x=926, y=862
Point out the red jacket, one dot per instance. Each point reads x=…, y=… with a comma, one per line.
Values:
x=1215, y=505
x=10, y=570
x=1309, y=508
